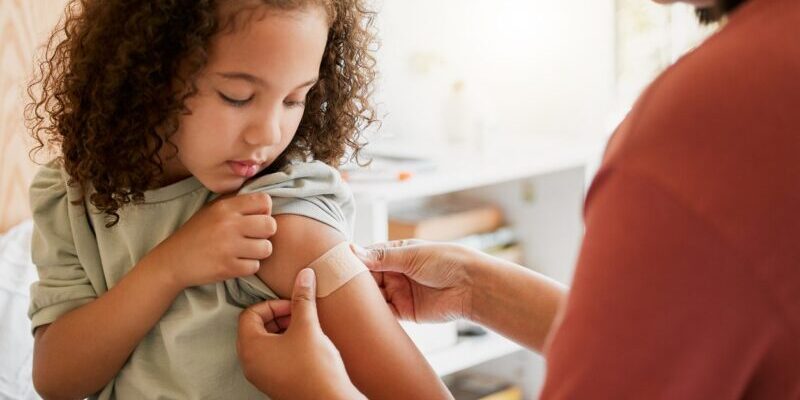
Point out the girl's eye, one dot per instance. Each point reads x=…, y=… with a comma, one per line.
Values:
x=235, y=102
x=294, y=104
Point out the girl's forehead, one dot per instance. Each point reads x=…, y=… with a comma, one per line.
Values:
x=253, y=25
x=234, y=15
x=281, y=48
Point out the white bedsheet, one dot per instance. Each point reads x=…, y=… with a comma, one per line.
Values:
x=17, y=272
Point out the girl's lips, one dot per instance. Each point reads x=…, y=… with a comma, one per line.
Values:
x=243, y=169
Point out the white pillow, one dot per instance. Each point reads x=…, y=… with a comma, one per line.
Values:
x=17, y=272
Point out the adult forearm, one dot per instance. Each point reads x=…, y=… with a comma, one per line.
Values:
x=83, y=350
x=515, y=301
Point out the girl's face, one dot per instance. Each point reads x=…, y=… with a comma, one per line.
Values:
x=250, y=99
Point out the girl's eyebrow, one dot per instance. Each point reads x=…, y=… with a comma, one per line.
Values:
x=258, y=81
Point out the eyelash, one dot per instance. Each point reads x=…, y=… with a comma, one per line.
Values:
x=293, y=104
x=242, y=103
x=234, y=102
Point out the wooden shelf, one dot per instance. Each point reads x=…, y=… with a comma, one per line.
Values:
x=469, y=352
x=456, y=172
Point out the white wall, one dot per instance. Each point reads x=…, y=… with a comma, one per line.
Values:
x=537, y=66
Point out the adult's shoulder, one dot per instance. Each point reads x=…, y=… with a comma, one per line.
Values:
x=717, y=134
x=728, y=105
x=737, y=89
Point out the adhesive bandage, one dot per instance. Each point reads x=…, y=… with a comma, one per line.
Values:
x=335, y=268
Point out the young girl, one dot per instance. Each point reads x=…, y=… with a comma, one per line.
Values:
x=155, y=108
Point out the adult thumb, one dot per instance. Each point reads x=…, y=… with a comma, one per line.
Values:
x=304, y=299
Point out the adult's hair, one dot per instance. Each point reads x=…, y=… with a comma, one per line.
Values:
x=720, y=9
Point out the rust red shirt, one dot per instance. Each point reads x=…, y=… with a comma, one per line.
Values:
x=688, y=282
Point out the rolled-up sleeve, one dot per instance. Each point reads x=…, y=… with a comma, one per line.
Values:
x=313, y=190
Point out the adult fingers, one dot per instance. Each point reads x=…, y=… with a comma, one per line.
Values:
x=304, y=301
x=394, y=256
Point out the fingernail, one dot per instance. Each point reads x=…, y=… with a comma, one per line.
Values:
x=307, y=278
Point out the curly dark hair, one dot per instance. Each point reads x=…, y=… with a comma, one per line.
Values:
x=115, y=75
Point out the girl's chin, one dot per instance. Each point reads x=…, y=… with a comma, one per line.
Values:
x=223, y=186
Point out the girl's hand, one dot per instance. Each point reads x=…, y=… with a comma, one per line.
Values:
x=225, y=239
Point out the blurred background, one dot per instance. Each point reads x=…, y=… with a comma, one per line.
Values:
x=495, y=114
x=453, y=72
x=568, y=68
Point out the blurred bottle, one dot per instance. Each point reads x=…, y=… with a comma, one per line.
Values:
x=462, y=122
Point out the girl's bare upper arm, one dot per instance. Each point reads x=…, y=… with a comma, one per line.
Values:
x=380, y=358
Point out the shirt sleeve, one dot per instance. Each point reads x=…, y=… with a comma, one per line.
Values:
x=661, y=306
x=63, y=284
x=310, y=189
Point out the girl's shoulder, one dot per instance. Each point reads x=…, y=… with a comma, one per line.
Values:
x=302, y=180
x=312, y=189
x=50, y=188
x=300, y=170
x=48, y=177
x=54, y=201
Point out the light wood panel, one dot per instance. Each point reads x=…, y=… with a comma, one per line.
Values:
x=24, y=24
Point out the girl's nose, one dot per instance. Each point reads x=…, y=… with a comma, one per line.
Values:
x=265, y=133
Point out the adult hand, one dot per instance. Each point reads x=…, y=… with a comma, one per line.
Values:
x=423, y=281
x=284, y=352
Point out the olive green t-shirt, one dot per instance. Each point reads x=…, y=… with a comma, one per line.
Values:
x=191, y=352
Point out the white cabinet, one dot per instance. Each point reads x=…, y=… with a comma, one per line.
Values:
x=540, y=185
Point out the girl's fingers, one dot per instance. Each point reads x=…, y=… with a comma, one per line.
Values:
x=254, y=249
x=245, y=267
x=252, y=203
x=258, y=226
